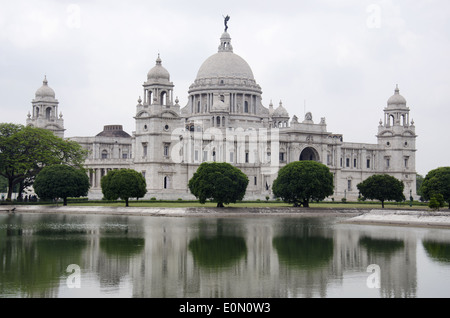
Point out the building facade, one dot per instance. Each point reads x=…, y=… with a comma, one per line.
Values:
x=225, y=120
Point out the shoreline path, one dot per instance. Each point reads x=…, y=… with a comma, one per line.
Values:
x=413, y=218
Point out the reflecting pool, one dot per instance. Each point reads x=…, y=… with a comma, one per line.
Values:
x=47, y=255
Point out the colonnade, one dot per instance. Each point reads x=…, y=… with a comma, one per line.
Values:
x=237, y=103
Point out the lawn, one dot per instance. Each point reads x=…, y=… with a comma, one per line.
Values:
x=253, y=204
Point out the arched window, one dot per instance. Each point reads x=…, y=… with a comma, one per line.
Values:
x=150, y=97
x=48, y=113
x=166, y=182
x=309, y=154
x=404, y=123
x=218, y=121
x=246, y=107
x=391, y=120
x=104, y=154
x=164, y=98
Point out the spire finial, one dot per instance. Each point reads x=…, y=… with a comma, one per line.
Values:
x=45, y=80
x=397, y=91
x=158, y=60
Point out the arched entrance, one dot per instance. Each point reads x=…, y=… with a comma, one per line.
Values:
x=309, y=154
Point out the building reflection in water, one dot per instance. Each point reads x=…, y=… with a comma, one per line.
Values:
x=211, y=257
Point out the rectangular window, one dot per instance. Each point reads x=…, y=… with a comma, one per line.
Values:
x=205, y=156
x=247, y=157
x=406, y=163
x=388, y=162
x=166, y=150
x=143, y=174
x=349, y=185
x=124, y=156
x=341, y=162
x=368, y=163
x=196, y=156
x=354, y=163
x=282, y=159
x=144, y=149
x=329, y=160
x=231, y=157
x=255, y=181
x=347, y=162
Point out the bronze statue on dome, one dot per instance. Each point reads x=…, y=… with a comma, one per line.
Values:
x=227, y=18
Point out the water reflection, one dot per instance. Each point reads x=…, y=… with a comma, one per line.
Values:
x=437, y=251
x=214, y=257
x=217, y=252
x=381, y=246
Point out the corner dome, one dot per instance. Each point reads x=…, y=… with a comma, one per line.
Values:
x=45, y=91
x=280, y=111
x=396, y=99
x=158, y=73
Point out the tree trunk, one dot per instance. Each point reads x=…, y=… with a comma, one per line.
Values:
x=306, y=204
x=382, y=204
x=10, y=190
x=65, y=201
x=126, y=202
x=220, y=205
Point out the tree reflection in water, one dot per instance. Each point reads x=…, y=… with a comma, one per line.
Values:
x=381, y=246
x=304, y=252
x=437, y=251
x=217, y=252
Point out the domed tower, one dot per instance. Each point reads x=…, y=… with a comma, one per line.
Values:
x=158, y=90
x=224, y=91
x=397, y=140
x=280, y=117
x=156, y=117
x=157, y=108
x=45, y=111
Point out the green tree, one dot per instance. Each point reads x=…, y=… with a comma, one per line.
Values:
x=436, y=202
x=25, y=151
x=382, y=187
x=301, y=182
x=437, y=181
x=61, y=181
x=218, y=181
x=123, y=184
x=3, y=184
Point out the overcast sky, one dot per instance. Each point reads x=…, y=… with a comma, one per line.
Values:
x=337, y=59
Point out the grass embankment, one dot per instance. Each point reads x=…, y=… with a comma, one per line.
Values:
x=254, y=204
x=244, y=204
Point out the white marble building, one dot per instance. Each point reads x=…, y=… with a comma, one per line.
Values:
x=225, y=120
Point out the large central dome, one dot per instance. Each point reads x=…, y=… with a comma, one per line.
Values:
x=225, y=64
